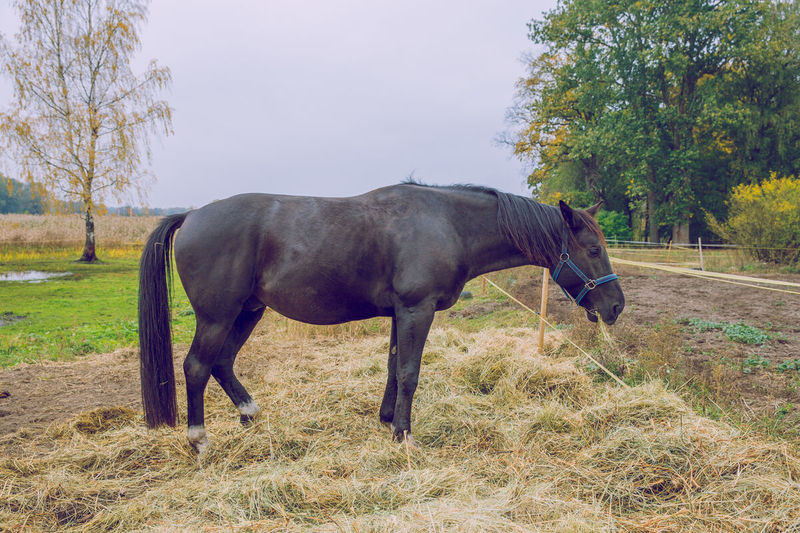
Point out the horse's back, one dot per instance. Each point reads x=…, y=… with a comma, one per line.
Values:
x=321, y=260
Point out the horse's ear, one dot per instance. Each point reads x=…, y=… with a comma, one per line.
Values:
x=569, y=216
x=596, y=207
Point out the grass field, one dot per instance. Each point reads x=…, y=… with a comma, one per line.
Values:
x=91, y=310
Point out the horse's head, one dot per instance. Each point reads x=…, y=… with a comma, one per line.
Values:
x=584, y=271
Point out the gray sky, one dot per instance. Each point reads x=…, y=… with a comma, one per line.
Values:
x=331, y=98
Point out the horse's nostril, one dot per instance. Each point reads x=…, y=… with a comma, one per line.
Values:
x=617, y=309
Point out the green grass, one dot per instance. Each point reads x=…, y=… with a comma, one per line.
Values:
x=93, y=310
x=754, y=361
x=788, y=366
x=735, y=331
x=487, y=307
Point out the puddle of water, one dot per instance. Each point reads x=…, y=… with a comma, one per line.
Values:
x=9, y=318
x=32, y=276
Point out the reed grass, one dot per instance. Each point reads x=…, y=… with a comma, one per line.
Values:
x=57, y=231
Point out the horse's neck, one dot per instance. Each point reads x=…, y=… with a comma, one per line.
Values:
x=490, y=261
x=488, y=248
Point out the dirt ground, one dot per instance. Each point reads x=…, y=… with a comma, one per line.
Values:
x=35, y=396
x=743, y=375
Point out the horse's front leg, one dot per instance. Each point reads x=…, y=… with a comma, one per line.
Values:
x=390, y=394
x=413, y=324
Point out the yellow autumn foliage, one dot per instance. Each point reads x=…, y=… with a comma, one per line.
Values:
x=765, y=218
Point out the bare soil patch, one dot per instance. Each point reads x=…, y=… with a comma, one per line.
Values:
x=40, y=394
x=729, y=369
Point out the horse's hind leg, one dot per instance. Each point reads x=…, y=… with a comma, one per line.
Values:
x=223, y=367
x=390, y=395
x=209, y=338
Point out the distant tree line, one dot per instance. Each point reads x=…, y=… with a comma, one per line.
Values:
x=19, y=197
x=126, y=210
x=660, y=108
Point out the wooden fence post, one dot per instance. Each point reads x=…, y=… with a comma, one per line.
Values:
x=700, y=247
x=543, y=308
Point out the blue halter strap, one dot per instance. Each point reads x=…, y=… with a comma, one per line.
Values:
x=589, y=284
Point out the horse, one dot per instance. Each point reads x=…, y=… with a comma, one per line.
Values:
x=403, y=252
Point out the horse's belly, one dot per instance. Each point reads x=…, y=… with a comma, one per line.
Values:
x=328, y=315
x=314, y=307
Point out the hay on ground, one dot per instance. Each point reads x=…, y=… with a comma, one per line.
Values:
x=512, y=441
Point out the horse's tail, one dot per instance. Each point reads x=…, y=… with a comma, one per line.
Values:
x=155, y=339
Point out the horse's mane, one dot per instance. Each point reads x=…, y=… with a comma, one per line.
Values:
x=535, y=229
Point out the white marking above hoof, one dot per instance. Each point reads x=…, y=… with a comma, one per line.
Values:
x=198, y=439
x=249, y=409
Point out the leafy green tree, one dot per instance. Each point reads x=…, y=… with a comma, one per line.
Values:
x=614, y=225
x=81, y=119
x=644, y=101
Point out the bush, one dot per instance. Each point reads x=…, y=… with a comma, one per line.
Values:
x=614, y=226
x=765, y=218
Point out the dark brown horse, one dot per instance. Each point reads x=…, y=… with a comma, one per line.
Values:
x=403, y=252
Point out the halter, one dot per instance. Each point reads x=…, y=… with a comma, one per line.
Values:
x=589, y=284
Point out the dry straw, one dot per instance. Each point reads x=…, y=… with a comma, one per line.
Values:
x=511, y=441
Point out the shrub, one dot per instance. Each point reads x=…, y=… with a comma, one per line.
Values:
x=614, y=225
x=765, y=218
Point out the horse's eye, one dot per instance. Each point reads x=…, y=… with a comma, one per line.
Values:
x=594, y=251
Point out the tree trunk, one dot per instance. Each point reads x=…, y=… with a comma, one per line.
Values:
x=680, y=232
x=88, y=201
x=89, y=255
x=652, y=224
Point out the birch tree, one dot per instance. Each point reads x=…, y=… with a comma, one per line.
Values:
x=81, y=120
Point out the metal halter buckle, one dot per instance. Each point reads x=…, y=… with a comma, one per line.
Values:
x=564, y=259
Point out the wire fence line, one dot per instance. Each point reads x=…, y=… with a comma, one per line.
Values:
x=665, y=245
x=552, y=326
x=749, y=281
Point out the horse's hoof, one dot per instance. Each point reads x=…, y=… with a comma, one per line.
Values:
x=246, y=420
x=411, y=443
x=402, y=437
x=201, y=448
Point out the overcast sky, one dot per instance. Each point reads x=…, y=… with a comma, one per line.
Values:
x=331, y=98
